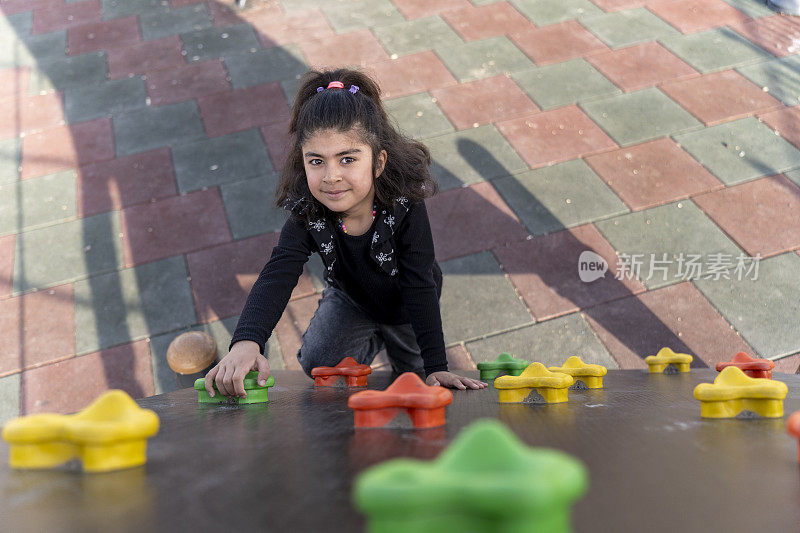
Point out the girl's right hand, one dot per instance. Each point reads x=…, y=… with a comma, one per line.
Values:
x=229, y=373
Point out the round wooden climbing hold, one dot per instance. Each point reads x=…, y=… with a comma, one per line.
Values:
x=191, y=352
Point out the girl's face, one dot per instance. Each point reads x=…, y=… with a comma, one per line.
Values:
x=339, y=170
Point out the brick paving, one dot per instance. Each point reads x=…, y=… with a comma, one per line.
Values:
x=140, y=143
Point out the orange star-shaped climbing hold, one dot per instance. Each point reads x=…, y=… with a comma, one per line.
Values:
x=423, y=404
x=353, y=373
x=755, y=368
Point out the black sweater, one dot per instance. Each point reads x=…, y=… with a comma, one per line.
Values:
x=411, y=296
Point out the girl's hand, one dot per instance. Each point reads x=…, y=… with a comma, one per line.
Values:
x=448, y=379
x=230, y=372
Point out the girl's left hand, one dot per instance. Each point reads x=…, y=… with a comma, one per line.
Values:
x=448, y=379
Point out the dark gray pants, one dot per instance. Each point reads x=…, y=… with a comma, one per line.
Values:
x=340, y=328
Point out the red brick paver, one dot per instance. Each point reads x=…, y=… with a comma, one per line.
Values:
x=125, y=181
x=554, y=136
x=14, y=83
x=279, y=28
x=172, y=226
x=557, y=42
x=358, y=48
x=456, y=229
x=186, y=82
x=635, y=327
x=779, y=34
x=483, y=101
x=144, y=57
x=66, y=16
x=11, y=7
x=239, y=110
x=640, y=66
x=31, y=113
x=790, y=364
x=65, y=147
x=277, y=140
x=459, y=359
x=72, y=384
x=720, y=96
x=102, y=35
x=223, y=275
x=482, y=22
x=652, y=173
x=37, y=327
x=544, y=272
x=786, y=122
x=690, y=16
x=762, y=216
x=411, y=74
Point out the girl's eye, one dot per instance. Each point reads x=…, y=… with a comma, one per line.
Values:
x=315, y=162
x=346, y=160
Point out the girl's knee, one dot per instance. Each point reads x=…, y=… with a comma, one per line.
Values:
x=310, y=357
x=304, y=362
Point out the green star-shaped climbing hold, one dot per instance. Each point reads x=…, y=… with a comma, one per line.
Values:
x=504, y=363
x=255, y=392
x=487, y=480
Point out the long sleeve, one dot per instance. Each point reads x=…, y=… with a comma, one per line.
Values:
x=420, y=297
x=273, y=288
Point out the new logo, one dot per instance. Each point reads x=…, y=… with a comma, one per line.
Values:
x=591, y=266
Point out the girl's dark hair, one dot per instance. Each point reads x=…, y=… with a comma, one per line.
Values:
x=406, y=173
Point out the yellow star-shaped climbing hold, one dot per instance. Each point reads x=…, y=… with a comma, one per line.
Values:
x=665, y=357
x=733, y=392
x=109, y=434
x=553, y=386
x=590, y=374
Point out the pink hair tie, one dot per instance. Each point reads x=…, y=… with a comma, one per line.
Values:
x=339, y=85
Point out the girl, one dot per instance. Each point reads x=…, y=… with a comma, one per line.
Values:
x=355, y=189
